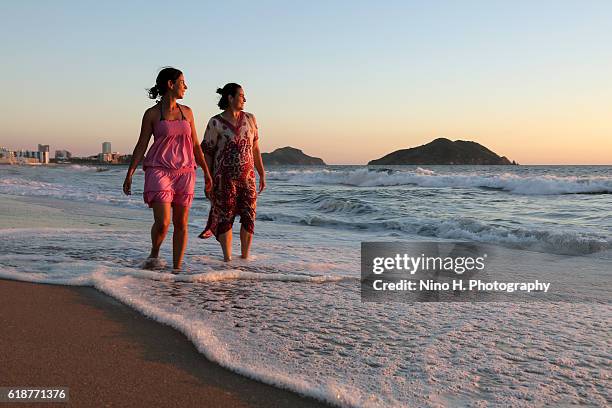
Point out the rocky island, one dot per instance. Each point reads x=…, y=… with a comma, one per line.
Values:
x=290, y=156
x=444, y=151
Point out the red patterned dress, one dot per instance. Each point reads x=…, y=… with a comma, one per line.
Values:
x=234, y=190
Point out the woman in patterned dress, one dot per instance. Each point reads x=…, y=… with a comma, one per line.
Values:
x=231, y=150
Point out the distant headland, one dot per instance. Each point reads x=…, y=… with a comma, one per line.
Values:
x=290, y=156
x=444, y=151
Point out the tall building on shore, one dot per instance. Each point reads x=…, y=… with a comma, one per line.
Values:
x=106, y=148
x=43, y=153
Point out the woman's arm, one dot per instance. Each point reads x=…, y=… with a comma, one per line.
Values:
x=146, y=130
x=259, y=165
x=197, y=152
x=209, y=145
x=209, y=161
x=257, y=156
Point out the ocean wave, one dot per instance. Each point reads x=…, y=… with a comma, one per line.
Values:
x=24, y=187
x=512, y=183
x=550, y=241
x=350, y=206
x=80, y=167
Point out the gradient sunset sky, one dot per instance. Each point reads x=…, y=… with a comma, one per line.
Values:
x=344, y=81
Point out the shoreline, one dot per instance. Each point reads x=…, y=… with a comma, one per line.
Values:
x=107, y=352
x=314, y=339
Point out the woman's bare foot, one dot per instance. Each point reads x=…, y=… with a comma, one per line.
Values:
x=153, y=263
x=205, y=234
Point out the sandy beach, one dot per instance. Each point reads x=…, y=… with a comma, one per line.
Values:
x=110, y=355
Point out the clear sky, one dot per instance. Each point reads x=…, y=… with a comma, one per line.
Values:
x=347, y=81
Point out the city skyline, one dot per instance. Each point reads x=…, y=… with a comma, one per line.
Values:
x=529, y=81
x=43, y=156
x=105, y=149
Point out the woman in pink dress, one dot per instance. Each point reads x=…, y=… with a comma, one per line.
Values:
x=169, y=164
x=231, y=149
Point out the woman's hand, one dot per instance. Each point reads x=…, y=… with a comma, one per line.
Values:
x=262, y=184
x=208, y=187
x=127, y=185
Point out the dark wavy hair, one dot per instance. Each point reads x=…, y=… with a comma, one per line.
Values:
x=225, y=92
x=161, y=83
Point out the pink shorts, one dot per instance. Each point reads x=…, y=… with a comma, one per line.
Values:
x=169, y=186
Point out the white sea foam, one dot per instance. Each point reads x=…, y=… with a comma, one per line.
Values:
x=342, y=205
x=63, y=190
x=513, y=183
x=79, y=167
x=63, y=270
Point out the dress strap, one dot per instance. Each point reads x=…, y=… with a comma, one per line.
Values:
x=179, y=106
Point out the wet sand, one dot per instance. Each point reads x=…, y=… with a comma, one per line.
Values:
x=110, y=355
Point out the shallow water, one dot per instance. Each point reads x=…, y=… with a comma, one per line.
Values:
x=292, y=316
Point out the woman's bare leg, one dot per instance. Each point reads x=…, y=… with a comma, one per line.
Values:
x=245, y=242
x=161, y=215
x=180, y=219
x=225, y=240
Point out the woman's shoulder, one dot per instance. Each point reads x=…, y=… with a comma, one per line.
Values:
x=154, y=106
x=186, y=111
x=214, y=119
x=251, y=118
x=185, y=108
x=152, y=113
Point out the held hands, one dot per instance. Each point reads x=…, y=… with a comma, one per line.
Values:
x=127, y=186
